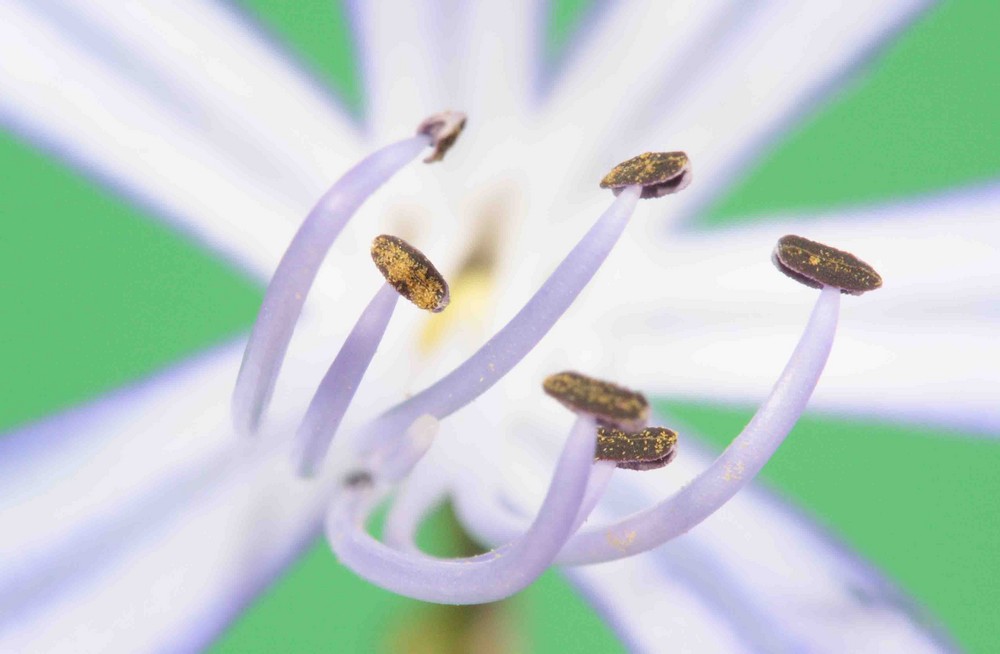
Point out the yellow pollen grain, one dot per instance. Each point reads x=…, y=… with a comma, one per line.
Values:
x=734, y=471
x=619, y=543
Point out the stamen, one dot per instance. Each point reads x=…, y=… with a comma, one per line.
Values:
x=341, y=381
x=296, y=272
x=658, y=173
x=817, y=265
x=489, y=519
x=393, y=464
x=358, y=479
x=502, y=352
x=424, y=488
x=410, y=273
x=486, y=578
x=443, y=128
x=735, y=467
x=609, y=404
x=649, y=449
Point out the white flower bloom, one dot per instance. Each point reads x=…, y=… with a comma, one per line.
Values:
x=148, y=493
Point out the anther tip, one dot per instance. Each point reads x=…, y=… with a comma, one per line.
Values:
x=443, y=128
x=647, y=449
x=358, y=479
x=410, y=273
x=658, y=173
x=817, y=265
x=610, y=405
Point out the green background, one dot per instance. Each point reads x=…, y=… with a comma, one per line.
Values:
x=97, y=294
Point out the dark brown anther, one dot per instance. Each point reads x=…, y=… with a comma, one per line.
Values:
x=658, y=173
x=817, y=265
x=443, y=128
x=358, y=479
x=651, y=448
x=611, y=405
x=410, y=273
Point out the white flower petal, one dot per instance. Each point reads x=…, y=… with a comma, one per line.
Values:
x=502, y=55
x=782, y=62
x=71, y=97
x=727, y=94
x=142, y=520
x=407, y=67
x=643, y=603
x=630, y=49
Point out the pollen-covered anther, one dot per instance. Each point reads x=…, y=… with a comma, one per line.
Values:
x=410, y=273
x=609, y=404
x=443, y=128
x=647, y=449
x=658, y=173
x=817, y=265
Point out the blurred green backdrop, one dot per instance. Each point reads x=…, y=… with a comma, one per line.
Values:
x=112, y=295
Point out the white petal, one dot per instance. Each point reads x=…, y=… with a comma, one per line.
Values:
x=643, y=603
x=784, y=60
x=739, y=82
x=142, y=520
x=407, y=65
x=630, y=49
x=172, y=125
x=501, y=46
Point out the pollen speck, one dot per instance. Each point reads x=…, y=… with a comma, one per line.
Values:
x=611, y=405
x=658, y=173
x=410, y=273
x=817, y=265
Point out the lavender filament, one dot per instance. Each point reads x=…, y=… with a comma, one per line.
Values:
x=516, y=339
x=423, y=490
x=491, y=521
x=341, y=381
x=486, y=578
x=295, y=274
x=393, y=464
x=735, y=467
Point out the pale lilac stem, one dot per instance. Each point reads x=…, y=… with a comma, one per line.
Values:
x=487, y=578
x=296, y=271
x=735, y=467
x=393, y=464
x=516, y=339
x=491, y=521
x=425, y=488
x=341, y=381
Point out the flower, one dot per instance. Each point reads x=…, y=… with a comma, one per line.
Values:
x=237, y=207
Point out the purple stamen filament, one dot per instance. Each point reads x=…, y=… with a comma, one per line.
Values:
x=341, y=381
x=394, y=442
x=517, y=338
x=485, y=578
x=736, y=466
x=296, y=272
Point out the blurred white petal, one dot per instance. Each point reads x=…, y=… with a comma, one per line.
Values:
x=84, y=105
